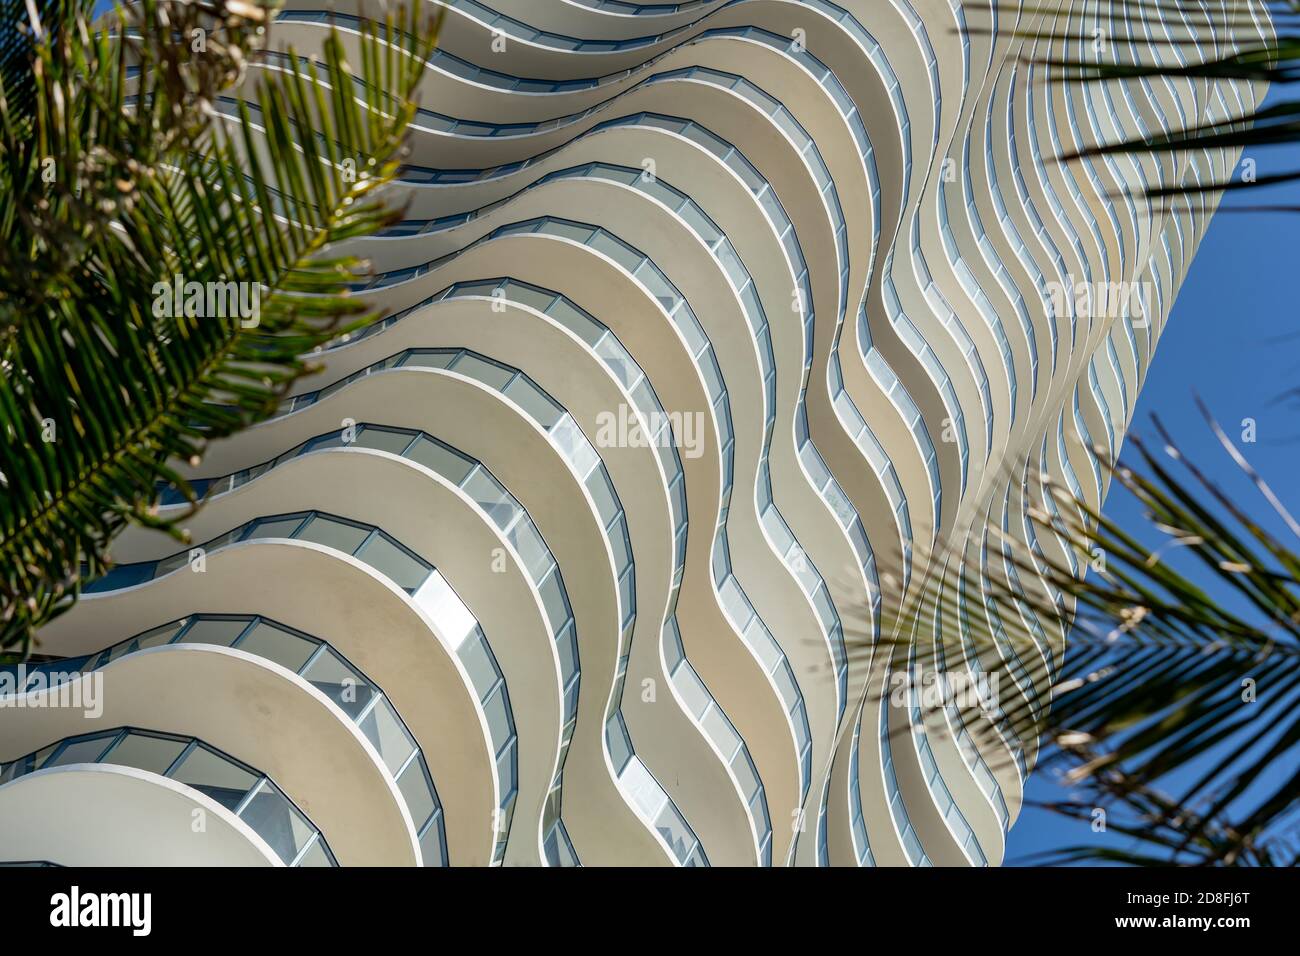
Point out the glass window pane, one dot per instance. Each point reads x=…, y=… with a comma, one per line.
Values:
x=167, y=565
x=275, y=528
x=553, y=600
x=382, y=439
x=720, y=732
x=620, y=253
x=757, y=637
x=432, y=846
x=329, y=674
x=277, y=822
x=383, y=729
x=316, y=856
x=733, y=601
x=498, y=717
x=145, y=752
x=333, y=534
x=571, y=318
x=82, y=751
x=568, y=230
x=387, y=558
x=692, y=691
x=658, y=286
x=430, y=358
x=489, y=373
x=214, y=631
x=415, y=791
x=332, y=440
x=39, y=758
x=745, y=775
x=602, y=492
x=619, y=750
x=450, y=615
x=566, y=645
x=159, y=635
x=439, y=458
x=532, y=549
x=644, y=790
x=696, y=220
x=506, y=773
x=785, y=683
x=477, y=660
x=276, y=644
x=491, y=497
x=215, y=776
x=536, y=298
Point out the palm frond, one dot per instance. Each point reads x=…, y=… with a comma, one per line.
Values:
x=110, y=376
x=1176, y=697
x=1176, y=39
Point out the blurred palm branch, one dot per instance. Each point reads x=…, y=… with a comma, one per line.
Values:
x=1255, y=41
x=1174, y=702
x=164, y=142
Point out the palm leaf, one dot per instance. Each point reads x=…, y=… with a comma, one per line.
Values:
x=1149, y=717
x=104, y=389
x=1239, y=53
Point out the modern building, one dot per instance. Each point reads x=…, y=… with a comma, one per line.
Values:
x=714, y=329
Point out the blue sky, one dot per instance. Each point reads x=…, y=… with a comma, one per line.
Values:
x=1226, y=341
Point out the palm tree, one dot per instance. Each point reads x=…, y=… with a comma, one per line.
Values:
x=1175, y=709
x=166, y=252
